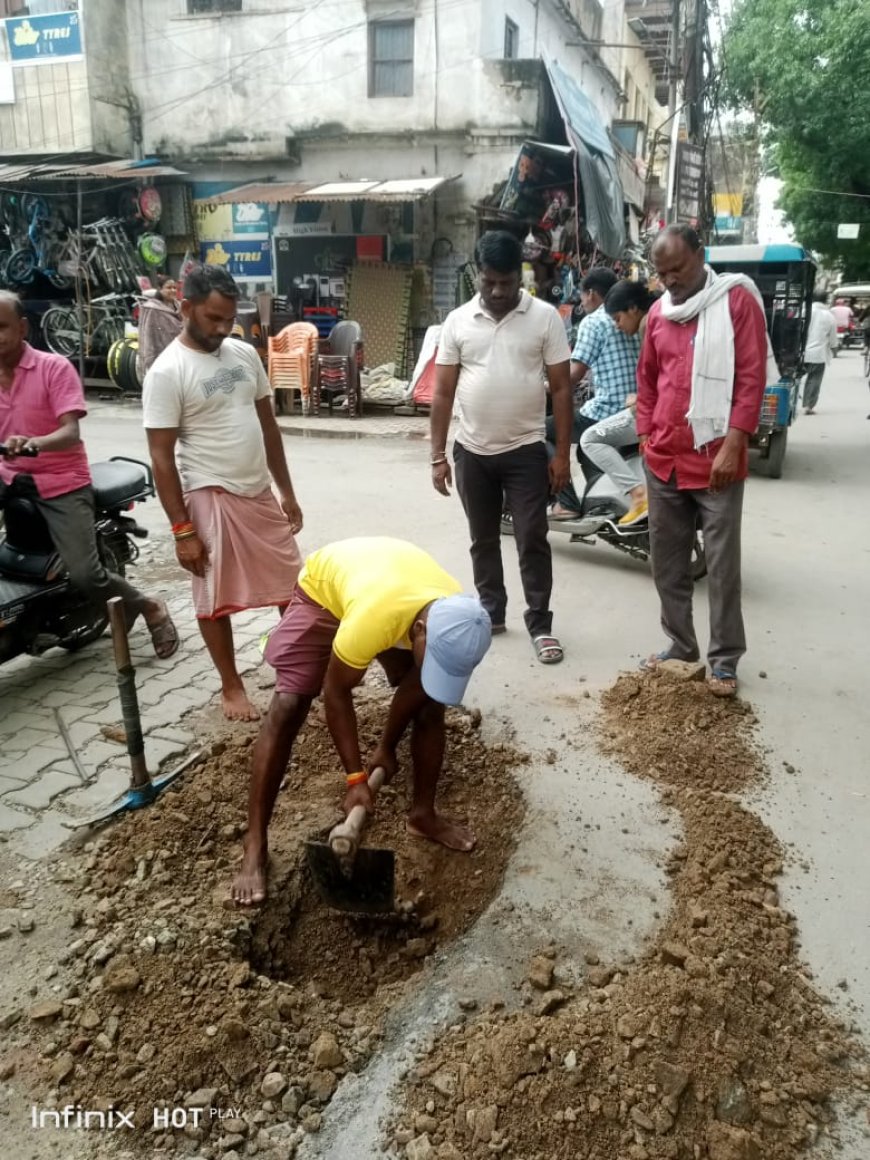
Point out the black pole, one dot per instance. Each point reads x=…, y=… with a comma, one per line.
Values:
x=79, y=311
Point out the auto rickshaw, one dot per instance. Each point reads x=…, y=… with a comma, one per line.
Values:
x=785, y=276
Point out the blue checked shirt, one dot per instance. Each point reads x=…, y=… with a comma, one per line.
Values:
x=612, y=356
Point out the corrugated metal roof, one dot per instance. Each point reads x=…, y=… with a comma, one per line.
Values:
x=402, y=189
x=129, y=169
x=264, y=192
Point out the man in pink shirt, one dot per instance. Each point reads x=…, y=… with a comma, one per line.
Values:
x=701, y=378
x=41, y=402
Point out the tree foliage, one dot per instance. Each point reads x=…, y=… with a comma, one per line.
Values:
x=804, y=67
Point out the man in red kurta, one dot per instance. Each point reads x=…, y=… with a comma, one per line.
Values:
x=701, y=380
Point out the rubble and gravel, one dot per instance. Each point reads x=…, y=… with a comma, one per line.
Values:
x=715, y=1045
x=166, y=996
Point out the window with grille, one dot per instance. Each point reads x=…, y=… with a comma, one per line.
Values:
x=511, y=39
x=36, y=7
x=391, y=58
x=196, y=7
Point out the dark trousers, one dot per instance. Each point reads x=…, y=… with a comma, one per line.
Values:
x=521, y=477
x=568, y=497
x=70, y=520
x=813, y=384
x=674, y=516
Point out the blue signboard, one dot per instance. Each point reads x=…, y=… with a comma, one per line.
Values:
x=251, y=217
x=37, y=39
x=241, y=259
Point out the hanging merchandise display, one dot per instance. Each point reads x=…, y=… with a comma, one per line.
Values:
x=152, y=249
x=150, y=204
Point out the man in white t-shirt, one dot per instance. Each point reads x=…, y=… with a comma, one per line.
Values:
x=214, y=446
x=496, y=356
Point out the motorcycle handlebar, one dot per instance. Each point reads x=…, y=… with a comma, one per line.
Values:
x=28, y=452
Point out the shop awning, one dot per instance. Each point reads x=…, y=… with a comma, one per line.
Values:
x=596, y=161
x=130, y=169
x=262, y=192
x=403, y=189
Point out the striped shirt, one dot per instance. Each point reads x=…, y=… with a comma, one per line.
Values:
x=612, y=356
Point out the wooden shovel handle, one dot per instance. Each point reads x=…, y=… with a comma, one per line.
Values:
x=344, y=838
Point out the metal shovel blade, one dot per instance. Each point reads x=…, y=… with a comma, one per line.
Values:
x=369, y=888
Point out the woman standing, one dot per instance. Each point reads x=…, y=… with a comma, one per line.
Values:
x=159, y=322
x=627, y=304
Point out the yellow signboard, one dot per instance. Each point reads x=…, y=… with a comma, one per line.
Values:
x=728, y=204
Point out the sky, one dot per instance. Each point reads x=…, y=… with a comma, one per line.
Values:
x=772, y=227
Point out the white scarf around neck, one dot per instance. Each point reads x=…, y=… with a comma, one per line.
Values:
x=709, y=411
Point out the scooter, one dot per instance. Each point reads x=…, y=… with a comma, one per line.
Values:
x=38, y=607
x=601, y=508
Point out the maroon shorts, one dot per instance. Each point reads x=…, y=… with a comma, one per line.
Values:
x=300, y=647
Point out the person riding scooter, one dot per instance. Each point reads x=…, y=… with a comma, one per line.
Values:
x=627, y=304
x=41, y=403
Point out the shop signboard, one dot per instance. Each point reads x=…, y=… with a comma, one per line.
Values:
x=250, y=218
x=690, y=167
x=250, y=259
x=44, y=39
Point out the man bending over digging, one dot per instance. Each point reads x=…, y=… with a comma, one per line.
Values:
x=357, y=601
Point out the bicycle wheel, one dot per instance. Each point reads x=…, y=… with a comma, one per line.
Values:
x=21, y=267
x=60, y=329
x=58, y=280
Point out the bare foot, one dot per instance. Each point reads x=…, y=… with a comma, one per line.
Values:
x=238, y=707
x=437, y=828
x=249, y=885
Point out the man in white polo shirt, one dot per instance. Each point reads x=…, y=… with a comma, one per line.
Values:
x=496, y=355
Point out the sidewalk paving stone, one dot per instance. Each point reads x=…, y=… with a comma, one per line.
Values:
x=44, y=836
x=11, y=819
x=33, y=762
x=10, y=784
x=110, y=783
x=39, y=794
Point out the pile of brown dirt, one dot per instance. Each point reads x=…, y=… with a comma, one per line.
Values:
x=174, y=993
x=676, y=733
x=715, y=1045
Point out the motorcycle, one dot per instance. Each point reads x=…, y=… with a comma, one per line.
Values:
x=38, y=607
x=602, y=506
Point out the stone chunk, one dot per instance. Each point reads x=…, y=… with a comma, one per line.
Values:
x=202, y=1098
x=732, y=1103
x=46, y=1011
x=674, y=670
x=600, y=976
x=727, y=1143
x=541, y=973
x=549, y=1002
x=674, y=953
x=419, y=1148
x=321, y=1086
x=483, y=1122
x=326, y=1053
x=63, y=1067
x=274, y=1084
x=121, y=976
x=671, y=1080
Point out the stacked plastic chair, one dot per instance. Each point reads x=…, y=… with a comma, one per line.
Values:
x=339, y=364
x=293, y=362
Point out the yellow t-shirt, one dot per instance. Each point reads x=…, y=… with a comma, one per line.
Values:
x=375, y=586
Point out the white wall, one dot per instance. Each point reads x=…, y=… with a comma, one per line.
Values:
x=58, y=107
x=242, y=84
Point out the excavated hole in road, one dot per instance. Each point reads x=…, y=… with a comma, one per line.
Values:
x=170, y=991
